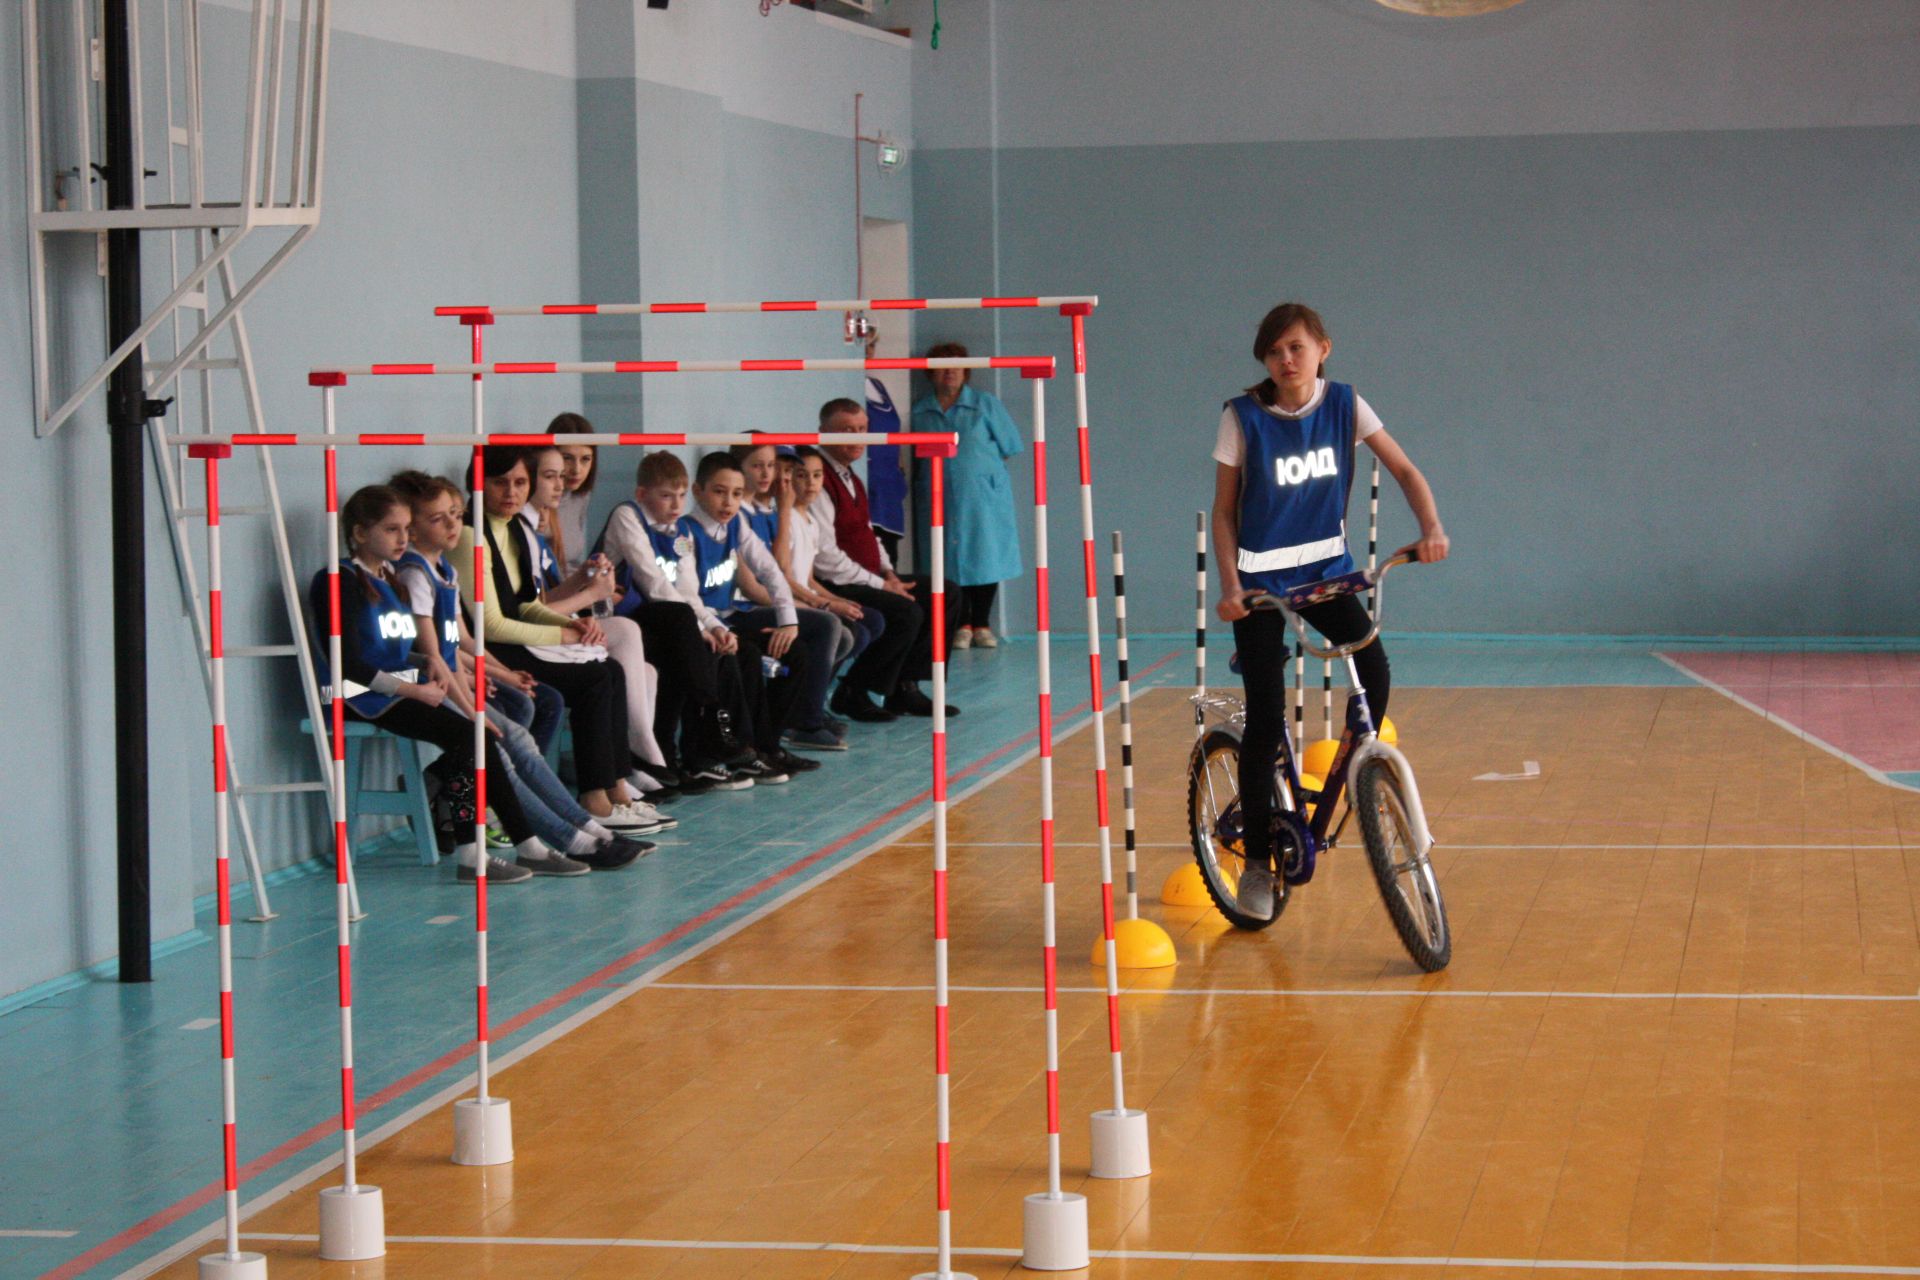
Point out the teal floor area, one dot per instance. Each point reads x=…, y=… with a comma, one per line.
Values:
x=113, y=1134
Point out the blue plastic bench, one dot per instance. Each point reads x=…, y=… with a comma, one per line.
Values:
x=408, y=801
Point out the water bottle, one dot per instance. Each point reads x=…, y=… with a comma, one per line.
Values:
x=772, y=667
x=600, y=608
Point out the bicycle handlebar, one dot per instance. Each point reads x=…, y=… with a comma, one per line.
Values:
x=1290, y=602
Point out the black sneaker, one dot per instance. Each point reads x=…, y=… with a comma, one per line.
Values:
x=792, y=763
x=696, y=780
x=857, y=706
x=764, y=769
x=717, y=777
x=616, y=853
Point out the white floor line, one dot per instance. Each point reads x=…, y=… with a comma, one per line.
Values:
x=1792, y=728
x=1448, y=845
x=273, y=1195
x=7, y=1233
x=1153, y=1255
x=1322, y=993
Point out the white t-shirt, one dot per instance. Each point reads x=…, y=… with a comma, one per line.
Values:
x=1229, y=446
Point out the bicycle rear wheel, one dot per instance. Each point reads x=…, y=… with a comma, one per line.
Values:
x=1217, y=826
x=1403, y=872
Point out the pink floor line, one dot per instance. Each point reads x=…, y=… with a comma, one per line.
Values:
x=206, y=1195
x=1863, y=705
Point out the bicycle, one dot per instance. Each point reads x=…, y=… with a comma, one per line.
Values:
x=1393, y=825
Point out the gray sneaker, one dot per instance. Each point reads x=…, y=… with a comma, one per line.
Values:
x=499, y=871
x=550, y=863
x=1255, y=897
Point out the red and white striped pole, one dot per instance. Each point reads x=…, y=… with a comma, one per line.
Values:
x=232, y=1264
x=1054, y=1235
x=352, y=1216
x=482, y=1124
x=942, y=1112
x=1120, y=1147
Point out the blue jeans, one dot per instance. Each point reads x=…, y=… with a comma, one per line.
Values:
x=538, y=712
x=556, y=817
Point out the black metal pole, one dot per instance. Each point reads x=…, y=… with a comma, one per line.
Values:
x=126, y=425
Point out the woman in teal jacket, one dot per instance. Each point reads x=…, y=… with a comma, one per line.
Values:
x=983, y=538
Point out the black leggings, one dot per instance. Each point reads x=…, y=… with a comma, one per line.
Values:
x=976, y=604
x=453, y=734
x=1264, y=655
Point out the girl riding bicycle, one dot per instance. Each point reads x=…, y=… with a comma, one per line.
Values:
x=1285, y=455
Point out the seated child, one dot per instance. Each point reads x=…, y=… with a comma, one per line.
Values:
x=377, y=635
x=769, y=511
x=430, y=585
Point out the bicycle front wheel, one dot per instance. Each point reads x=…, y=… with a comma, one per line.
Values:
x=1217, y=826
x=1403, y=872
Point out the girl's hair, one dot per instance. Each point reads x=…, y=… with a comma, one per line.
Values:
x=1272, y=325
x=951, y=351
x=572, y=424
x=741, y=452
x=365, y=507
x=417, y=488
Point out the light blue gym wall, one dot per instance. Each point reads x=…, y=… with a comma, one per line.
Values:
x=443, y=184
x=1632, y=282
x=479, y=150
x=717, y=164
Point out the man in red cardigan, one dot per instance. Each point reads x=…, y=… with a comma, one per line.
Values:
x=859, y=568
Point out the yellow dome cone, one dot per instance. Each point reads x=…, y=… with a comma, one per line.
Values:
x=1389, y=734
x=1318, y=757
x=1138, y=944
x=1185, y=888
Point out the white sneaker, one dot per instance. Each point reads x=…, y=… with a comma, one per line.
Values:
x=963, y=638
x=1255, y=897
x=983, y=638
x=635, y=818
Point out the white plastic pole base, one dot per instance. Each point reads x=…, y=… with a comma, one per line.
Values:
x=1055, y=1233
x=242, y=1266
x=353, y=1223
x=482, y=1131
x=1120, y=1145
x=944, y=1275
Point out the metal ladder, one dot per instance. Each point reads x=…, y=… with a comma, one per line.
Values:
x=276, y=185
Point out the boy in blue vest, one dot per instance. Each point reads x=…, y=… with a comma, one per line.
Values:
x=770, y=641
x=646, y=542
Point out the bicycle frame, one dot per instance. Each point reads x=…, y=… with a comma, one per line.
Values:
x=1359, y=744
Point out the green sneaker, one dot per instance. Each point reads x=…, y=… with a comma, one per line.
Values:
x=496, y=838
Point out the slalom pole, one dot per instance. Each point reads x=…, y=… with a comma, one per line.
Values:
x=482, y=1124
x=231, y=1264
x=942, y=1104
x=1054, y=1223
x=352, y=1215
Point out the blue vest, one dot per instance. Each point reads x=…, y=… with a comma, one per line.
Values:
x=886, y=479
x=766, y=527
x=446, y=604
x=667, y=552
x=715, y=562
x=384, y=628
x=1295, y=477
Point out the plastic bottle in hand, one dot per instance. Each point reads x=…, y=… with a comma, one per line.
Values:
x=603, y=607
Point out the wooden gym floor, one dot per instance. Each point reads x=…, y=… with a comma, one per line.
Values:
x=1680, y=1034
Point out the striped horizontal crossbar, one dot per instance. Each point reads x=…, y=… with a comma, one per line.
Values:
x=1033, y=364
x=809, y=305
x=521, y=439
